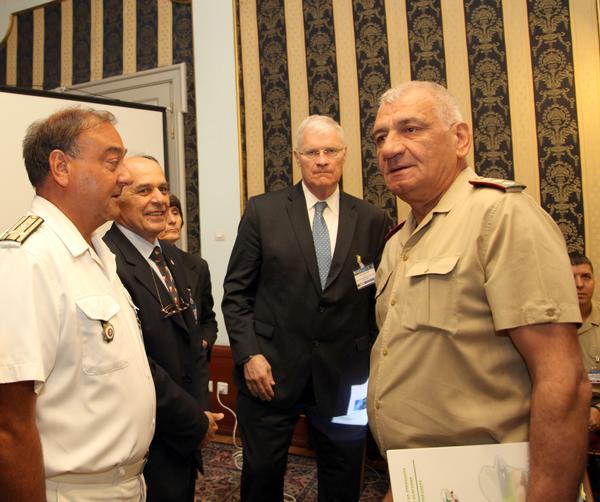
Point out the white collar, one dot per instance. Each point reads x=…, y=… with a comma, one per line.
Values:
x=144, y=247
x=333, y=201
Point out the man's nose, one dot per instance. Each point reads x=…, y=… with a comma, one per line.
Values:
x=322, y=158
x=392, y=146
x=123, y=175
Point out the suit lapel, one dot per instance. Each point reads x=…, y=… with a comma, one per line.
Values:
x=346, y=227
x=298, y=215
x=141, y=270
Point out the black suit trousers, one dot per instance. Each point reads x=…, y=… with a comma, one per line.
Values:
x=267, y=434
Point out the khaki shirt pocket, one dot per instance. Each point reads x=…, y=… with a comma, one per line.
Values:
x=431, y=295
x=99, y=355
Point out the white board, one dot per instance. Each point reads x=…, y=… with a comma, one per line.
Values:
x=140, y=126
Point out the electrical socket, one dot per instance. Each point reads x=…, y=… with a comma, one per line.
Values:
x=222, y=388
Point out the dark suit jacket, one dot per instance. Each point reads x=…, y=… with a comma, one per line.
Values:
x=273, y=302
x=177, y=361
x=199, y=278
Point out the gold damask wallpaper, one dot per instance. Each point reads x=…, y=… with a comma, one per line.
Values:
x=526, y=73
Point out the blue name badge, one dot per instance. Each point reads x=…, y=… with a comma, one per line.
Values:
x=364, y=275
x=594, y=376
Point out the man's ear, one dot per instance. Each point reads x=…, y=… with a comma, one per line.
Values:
x=463, y=139
x=59, y=167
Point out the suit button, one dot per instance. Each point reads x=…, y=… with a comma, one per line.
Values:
x=187, y=379
x=321, y=308
x=315, y=344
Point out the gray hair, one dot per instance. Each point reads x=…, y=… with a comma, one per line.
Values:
x=60, y=131
x=321, y=123
x=446, y=105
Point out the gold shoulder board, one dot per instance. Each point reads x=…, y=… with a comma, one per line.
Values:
x=499, y=184
x=22, y=229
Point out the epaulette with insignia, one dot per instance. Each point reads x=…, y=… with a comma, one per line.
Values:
x=22, y=229
x=499, y=184
x=392, y=231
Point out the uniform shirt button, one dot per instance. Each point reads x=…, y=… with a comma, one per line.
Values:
x=404, y=257
x=384, y=352
x=377, y=405
x=393, y=302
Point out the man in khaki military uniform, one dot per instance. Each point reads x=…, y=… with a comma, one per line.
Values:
x=589, y=332
x=475, y=304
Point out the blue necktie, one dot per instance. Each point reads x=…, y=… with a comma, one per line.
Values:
x=322, y=244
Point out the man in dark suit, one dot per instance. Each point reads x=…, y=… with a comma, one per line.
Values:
x=152, y=272
x=198, y=275
x=299, y=311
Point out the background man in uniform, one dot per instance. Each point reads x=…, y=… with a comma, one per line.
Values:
x=589, y=331
x=77, y=402
x=300, y=329
x=588, y=335
x=475, y=304
x=153, y=274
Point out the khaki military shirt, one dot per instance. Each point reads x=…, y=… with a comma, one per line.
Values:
x=443, y=369
x=589, y=340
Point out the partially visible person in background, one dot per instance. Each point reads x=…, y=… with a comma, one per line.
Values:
x=198, y=274
x=589, y=340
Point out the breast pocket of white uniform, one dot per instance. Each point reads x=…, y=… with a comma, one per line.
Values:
x=103, y=347
x=431, y=297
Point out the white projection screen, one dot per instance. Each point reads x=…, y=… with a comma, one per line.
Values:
x=142, y=128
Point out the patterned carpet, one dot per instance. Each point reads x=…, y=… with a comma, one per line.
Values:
x=222, y=479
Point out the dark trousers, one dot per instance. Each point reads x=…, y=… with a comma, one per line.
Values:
x=267, y=434
x=169, y=477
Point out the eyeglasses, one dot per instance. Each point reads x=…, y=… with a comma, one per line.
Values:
x=314, y=153
x=174, y=308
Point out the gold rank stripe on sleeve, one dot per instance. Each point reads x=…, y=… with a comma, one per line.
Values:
x=499, y=184
x=22, y=229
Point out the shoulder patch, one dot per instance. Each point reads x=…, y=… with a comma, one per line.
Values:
x=392, y=231
x=498, y=184
x=22, y=229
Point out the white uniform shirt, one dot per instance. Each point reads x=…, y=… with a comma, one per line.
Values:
x=96, y=402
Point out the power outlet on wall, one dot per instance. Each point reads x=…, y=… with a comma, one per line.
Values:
x=222, y=388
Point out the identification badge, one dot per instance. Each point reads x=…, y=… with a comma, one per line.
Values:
x=594, y=376
x=364, y=275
